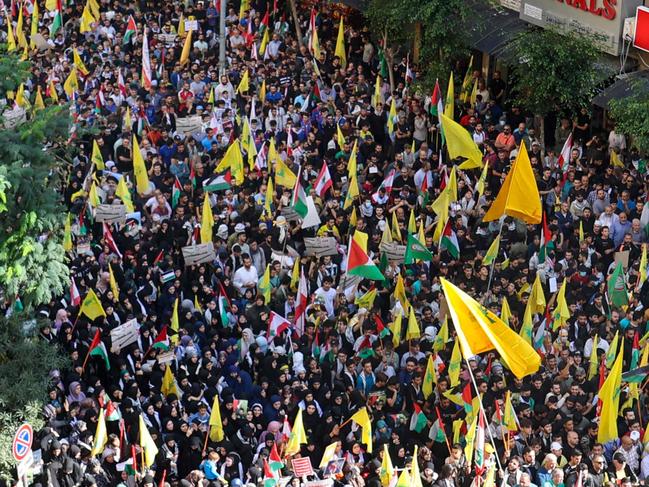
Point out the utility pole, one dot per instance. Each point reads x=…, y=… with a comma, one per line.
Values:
x=224, y=6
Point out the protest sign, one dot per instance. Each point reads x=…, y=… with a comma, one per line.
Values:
x=198, y=254
x=394, y=251
x=320, y=246
x=165, y=357
x=110, y=214
x=302, y=466
x=125, y=334
x=189, y=125
x=191, y=25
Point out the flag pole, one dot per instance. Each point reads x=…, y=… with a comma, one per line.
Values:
x=207, y=437
x=483, y=411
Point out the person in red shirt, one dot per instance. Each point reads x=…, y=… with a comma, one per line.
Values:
x=505, y=140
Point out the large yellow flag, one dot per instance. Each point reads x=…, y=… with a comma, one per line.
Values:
x=283, y=174
x=298, y=435
x=479, y=330
x=460, y=144
x=340, y=44
x=168, y=383
x=412, y=331
x=101, y=435
x=519, y=195
x=363, y=420
x=233, y=159
x=71, y=84
x=147, y=444
x=207, y=221
x=216, y=425
x=139, y=168
x=187, y=49
x=449, y=107
x=91, y=306
x=609, y=394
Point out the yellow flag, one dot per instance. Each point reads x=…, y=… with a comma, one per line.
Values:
x=377, y=99
x=94, y=8
x=483, y=179
x=395, y=329
x=21, y=101
x=340, y=44
x=93, y=197
x=392, y=116
x=175, y=322
x=113, y=283
x=295, y=275
x=54, y=96
x=460, y=144
x=243, y=8
x=479, y=330
x=454, y=365
x=139, y=168
x=128, y=122
x=470, y=436
x=39, y=104
x=20, y=35
x=400, y=293
x=11, y=39
x=466, y=82
x=216, y=425
x=197, y=305
x=283, y=174
x=340, y=137
x=518, y=196
x=415, y=476
x=441, y=338
x=449, y=106
x=264, y=43
x=396, y=231
x=352, y=169
x=96, y=157
x=78, y=63
x=609, y=394
x=101, y=434
x=187, y=49
x=561, y=312
x=505, y=311
x=452, y=184
x=363, y=420
x=67, y=234
x=386, y=237
x=366, y=300
x=387, y=470
x=91, y=306
x=123, y=194
x=509, y=416
x=71, y=84
x=181, y=26
x=86, y=20
x=353, y=218
x=412, y=224
x=527, y=327
x=404, y=478
x=537, y=297
x=492, y=251
x=615, y=160
x=207, y=221
x=593, y=364
x=643, y=266
x=233, y=159
x=168, y=383
x=147, y=444
x=298, y=435
x=412, y=331
x=430, y=377
x=244, y=84
x=581, y=231
x=34, y=27
x=352, y=192
x=264, y=284
x=612, y=349
x=262, y=91
x=270, y=193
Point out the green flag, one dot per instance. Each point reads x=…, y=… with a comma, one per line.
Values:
x=617, y=292
x=416, y=250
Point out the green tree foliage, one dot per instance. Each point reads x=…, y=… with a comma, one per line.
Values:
x=32, y=262
x=444, y=35
x=25, y=362
x=555, y=70
x=631, y=115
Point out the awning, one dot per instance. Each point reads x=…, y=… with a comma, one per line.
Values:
x=497, y=28
x=621, y=88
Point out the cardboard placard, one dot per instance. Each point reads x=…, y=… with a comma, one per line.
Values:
x=290, y=214
x=622, y=257
x=168, y=39
x=302, y=466
x=320, y=246
x=319, y=483
x=166, y=357
x=110, y=214
x=189, y=125
x=199, y=254
x=395, y=252
x=191, y=25
x=125, y=334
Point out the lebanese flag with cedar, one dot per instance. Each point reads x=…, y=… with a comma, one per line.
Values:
x=75, y=297
x=323, y=182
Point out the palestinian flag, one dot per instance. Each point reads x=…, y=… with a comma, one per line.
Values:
x=418, y=421
x=274, y=460
x=299, y=198
x=98, y=349
x=175, y=193
x=131, y=30
x=269, y=476
x=636, y=376
x=365, y=349
x=380, y=327
x=112, y=413
x=546, y=241
x=57, y=23
x=436, y=107
x=218, y=183
x=359, y=263
x=449, y=240
x=276, y=325
x=467, y=398
x=162, y=340
x=480, y=445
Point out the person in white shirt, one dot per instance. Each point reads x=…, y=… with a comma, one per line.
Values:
x=246, y=276
x=327, y=293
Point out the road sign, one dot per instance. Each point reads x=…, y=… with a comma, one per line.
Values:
x=641, y=35
x=22, y=444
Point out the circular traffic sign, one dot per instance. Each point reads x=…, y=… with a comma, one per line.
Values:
x=22, y=444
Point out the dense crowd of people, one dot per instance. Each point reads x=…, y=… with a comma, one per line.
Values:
x=279, y=340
